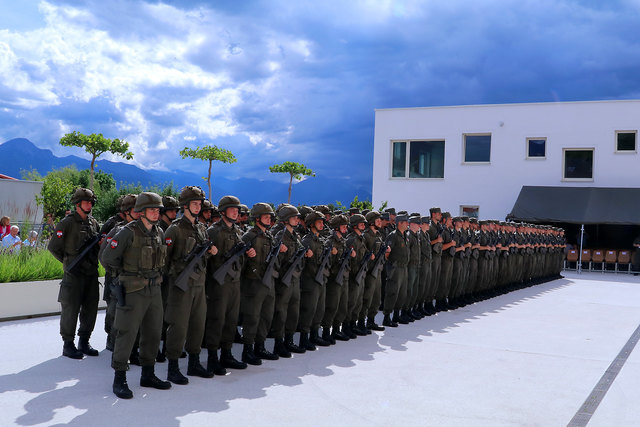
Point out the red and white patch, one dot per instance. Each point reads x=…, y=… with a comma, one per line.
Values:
x=168, y=241
x=114, y=243
x=59, y=234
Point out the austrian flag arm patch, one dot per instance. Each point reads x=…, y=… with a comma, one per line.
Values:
x=168, y=241
x=59, y=234
x=114, y=243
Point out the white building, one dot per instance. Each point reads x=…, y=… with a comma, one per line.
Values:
x=477, y=158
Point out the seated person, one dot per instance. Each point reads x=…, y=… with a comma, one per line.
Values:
x=31, y=240
x=5, y=226
x=12, y=242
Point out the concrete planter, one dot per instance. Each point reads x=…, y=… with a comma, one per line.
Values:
x=32, y=299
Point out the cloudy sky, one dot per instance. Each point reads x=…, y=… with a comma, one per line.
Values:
x=281, y=80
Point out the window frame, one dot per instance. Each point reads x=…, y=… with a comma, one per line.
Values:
x=615, y=142
x=407, y=160
x=535, y=138
x=464, y=147
x=593, y=163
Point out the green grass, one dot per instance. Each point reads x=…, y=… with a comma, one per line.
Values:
x=31, y=265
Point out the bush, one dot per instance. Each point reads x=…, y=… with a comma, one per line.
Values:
x=31, y=264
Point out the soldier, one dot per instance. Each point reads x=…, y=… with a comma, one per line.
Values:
x=138, y=252
x=257, y=288
x=206, y=214
x=435, y=235
x=337, y=286
x=449, y=251
x=76, y=241
x=413, y=269
x=458, y=263
x=168, y=213
x=243, y=218
x=473, y=259
x=397, y=260
x=224, y=298
x=312, y=293
x=287, y=302
x=425, y=301
x=354, y=326
x=373, y=281
x=186, y=305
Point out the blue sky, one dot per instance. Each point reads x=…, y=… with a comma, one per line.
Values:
x=286, y=80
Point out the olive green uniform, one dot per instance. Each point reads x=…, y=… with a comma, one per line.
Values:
x=426, y=255
x=447, y=265
x=396, y=267
x=356, y=291
x=337, y=294
x=371, y=296
x=413, y=270
x=435, y=230
x=287, y=300
x=312, y=293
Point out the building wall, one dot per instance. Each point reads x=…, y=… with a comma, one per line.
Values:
x=494, y=187
x=18, y=201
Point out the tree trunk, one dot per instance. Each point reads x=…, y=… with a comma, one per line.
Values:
x=93, y=161
x=209, y=179
x=290, y=181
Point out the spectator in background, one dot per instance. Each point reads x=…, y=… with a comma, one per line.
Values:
x=11, y=242
x=5, y=226
x=49, y=226
x=32, y=240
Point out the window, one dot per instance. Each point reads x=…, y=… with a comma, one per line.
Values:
x=536, y=148
x=470, y=211
x=425, y=159
x=399, y=159
x=477, y=148
x=626, y=141
x=578, y=163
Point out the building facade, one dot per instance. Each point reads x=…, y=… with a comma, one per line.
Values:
x=475, y=159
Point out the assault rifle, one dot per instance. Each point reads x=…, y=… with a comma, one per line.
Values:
x=377, y=267
x=362, y=270
x=84, y=250
x=270, y=272
x=297, y=259
x=323, y=269
x=182, y=281
x=232, y=256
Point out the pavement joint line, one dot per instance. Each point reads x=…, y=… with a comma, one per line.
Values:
x=588, y=408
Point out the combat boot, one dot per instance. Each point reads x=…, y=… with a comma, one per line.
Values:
x=213, y=364
x=339, y=335
x=85, y=347
x=174, y=375
x=196, y=369
x=326, y=335
x=372, y=325
x=149, y=379
x=399, y=319
x=317, y=340
x=346, y=329
x=263, y=353
x=417, y=313
x=388, y=322
x=406, y=316
x=305, y=343
x=249, y=357
x=363, y=327
x=291, y=346
x=280, y=349
x=120, y=386
x=69, y=350
x=228, y=361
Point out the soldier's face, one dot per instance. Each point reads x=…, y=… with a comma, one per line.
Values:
x=414, y=227
x=195, y=206
x=86, y=205
x=378, y=222
x=342, y=229
x=232, y=213
x=294, y=221
x=437, y=216
x=265, y=219
x=425, y=227
x=134, y=215
x=402, y=226
x=171, y=213
x=449, y=222
x=152, y=214
x=319, y=224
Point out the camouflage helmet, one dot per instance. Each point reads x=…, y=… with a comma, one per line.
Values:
x=371, y=217
x=169, y=203
x=147, y=200
x=81, y=194
x=119, y=203
x=207, y=205
x=128, y=202
x=324, y=209
x=190, y=193
x=338, y=220
x=312, y=217
x=304, y=211
x=260, y=209
x=228, y=202
x=286, y=212
x=357, y=219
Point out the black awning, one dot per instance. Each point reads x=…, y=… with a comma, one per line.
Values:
x=577, y=205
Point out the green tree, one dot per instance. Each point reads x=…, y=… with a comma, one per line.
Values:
x=210, y=153
x=96, y=145
x=295, y=170
x=31, y=175
x=56, y=192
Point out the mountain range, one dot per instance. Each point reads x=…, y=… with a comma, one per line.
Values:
x=21, y=154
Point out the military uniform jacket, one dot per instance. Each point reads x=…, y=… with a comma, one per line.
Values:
x=106, y=241
x=110, y=224
x=181, y=238
x=447, y=237
x=474, y=240
x=68, y=240
x=224, y=238
x=316, y=244
x=357, y=242
x=138, y=254
x=340, y=244
x=372, y=241
x=399, y=255
x=414, y=248
x=256, y=267
x=435, y=229
x=285, y=259
x=425, y=246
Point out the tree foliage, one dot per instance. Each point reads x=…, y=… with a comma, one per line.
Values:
x=295, y=170
x=96, y=145
x=210, y=153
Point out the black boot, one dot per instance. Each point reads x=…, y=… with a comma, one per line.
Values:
x=134, y=357
x=149, y=379
x=388, y=322
x=196, y=369
x=249, y=357
x=363, y=326
x=326, y=335
x=213, y=364
x=372, y=325
x=339, y=335
x=406, y=317
x=85, y=347
x=69, y=350
x=399, y=319
x=263, y=353
x=291, y=346
x=317, y=340
x=174, y=375
x=280, y=349
x=346, y=329
x=228, y=361
x=305, y=343
x=120, y=386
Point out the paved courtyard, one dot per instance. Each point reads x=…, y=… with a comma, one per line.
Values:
x=528, y=358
